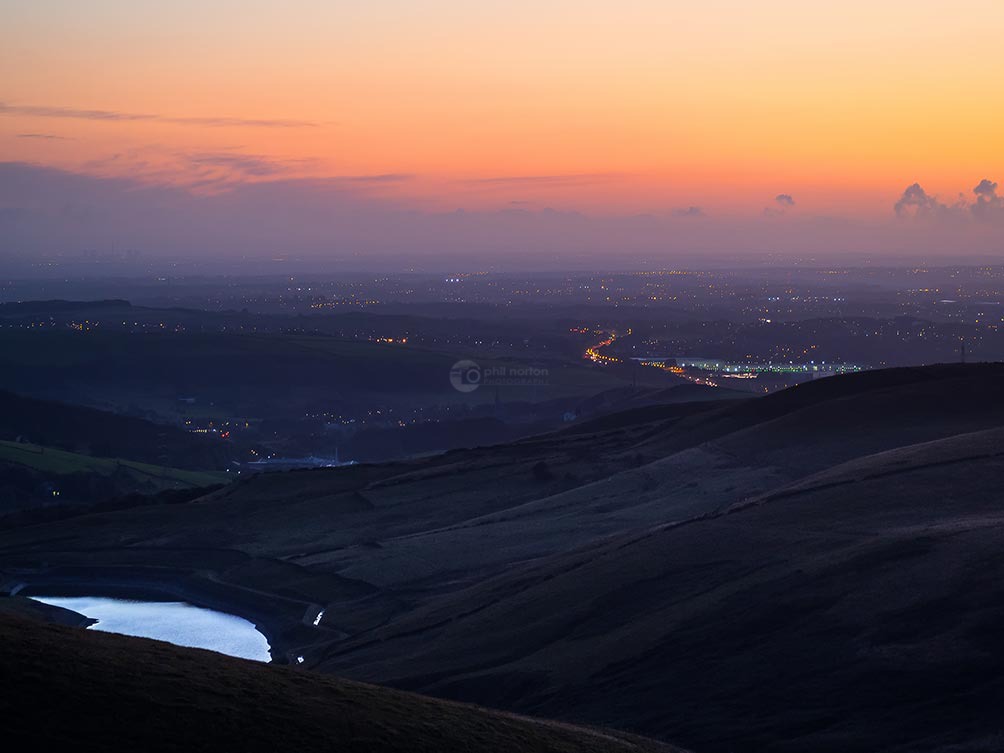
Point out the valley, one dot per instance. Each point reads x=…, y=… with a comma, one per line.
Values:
x=594, y=573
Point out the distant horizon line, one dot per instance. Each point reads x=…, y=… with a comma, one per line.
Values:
x=178, y=267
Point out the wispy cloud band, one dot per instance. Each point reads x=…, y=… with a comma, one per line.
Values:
x=116, y=116
x=529, y=180
x=42, y=136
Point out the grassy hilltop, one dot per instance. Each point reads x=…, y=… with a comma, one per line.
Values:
x=103, y=692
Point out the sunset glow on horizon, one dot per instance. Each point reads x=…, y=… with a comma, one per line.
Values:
x=608, y=109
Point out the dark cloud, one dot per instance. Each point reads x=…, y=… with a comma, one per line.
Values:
x=45, y=136
x=251, y=165
x=988, y=205
x=916, y=202
x=114, y=116
x=220, y=169
x=783, y=202
x=987, y=188
x=689, y=212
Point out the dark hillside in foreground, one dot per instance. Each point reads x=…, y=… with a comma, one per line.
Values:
x=855, y=610
x=67, y=688
x=817, y=570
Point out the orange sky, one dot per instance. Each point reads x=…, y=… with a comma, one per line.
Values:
x=603, y=107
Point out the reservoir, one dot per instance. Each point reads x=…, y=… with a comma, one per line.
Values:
x=172, y=621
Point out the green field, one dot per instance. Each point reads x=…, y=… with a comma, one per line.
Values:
x=60, y=462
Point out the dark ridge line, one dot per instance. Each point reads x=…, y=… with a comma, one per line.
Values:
x=789, y=493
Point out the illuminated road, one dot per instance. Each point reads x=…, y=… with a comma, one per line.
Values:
x=593, y=353
x=677, y=371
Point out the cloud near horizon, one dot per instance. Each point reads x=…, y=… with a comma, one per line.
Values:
x=43, y=136
x=47, y=211
x=222, y=169
x=916, y=203
x=988, y=205
x=112, y=116
x=784, y=202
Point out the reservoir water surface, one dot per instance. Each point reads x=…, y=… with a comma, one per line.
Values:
x=172, y=621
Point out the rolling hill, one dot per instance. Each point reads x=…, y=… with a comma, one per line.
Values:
x=103, y=692
x=818, y=569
